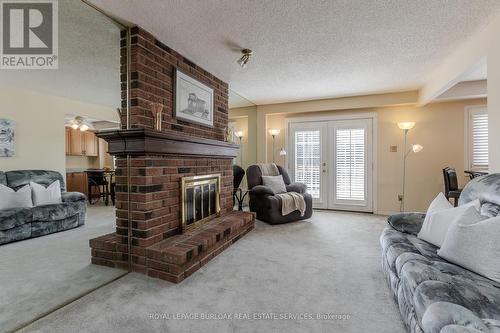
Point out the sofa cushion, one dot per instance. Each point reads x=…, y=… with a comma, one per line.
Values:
x=489, y=209
x=19, y=232
x=10, y=218
x=72, y=196
x=410, y=223
x=54, y=212
x=18, y=178
x=3, y=178
x=297, y=187
x=40, y=228
x=401, y=246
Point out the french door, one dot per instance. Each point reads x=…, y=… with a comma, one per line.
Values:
x=334, y=159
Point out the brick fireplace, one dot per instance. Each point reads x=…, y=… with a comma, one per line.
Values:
x=152, y=166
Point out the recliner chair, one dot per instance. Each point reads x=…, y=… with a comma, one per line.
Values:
x=266, y=205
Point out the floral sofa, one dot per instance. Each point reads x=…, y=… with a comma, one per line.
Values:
x=434, y=295
x=21, y=223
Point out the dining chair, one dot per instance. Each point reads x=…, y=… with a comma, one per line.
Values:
x=451, y=189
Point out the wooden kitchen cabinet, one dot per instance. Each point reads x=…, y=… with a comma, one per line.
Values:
x=67, y=134
x=91, y=144
x=76, y=182
x=76, y=146
x=80, y=143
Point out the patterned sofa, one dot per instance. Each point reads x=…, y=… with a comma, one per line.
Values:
x=21, y=223
x=434, y=295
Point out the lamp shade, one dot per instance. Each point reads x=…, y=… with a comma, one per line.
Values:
x=274, y=131
x=406, y=125
x=417, y=148
x=239, y=134
x=282, y=152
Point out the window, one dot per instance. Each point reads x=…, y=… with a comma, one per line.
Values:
x=308, y=160
x=477, y=138
x=350, y=164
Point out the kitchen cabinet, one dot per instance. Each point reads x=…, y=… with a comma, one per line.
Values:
x=76, y=146
x=80, y=143
x=76, y=182
x=67, y=134
x=91, y=144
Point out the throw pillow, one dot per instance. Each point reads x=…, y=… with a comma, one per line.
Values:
x=437, y=223
x=46, y=195
x=275, y=183
x=15, y=199
x=439, y=203
x=472, y=242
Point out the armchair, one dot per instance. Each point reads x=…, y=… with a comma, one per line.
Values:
x=266, y=205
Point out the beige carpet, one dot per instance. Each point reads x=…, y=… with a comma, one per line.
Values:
x=40, y=274
x=327, y=265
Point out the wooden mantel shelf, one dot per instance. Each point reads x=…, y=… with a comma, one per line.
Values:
x=140, y=141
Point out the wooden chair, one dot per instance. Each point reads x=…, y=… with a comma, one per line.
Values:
x=97, y=186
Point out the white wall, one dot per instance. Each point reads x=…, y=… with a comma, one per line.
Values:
x=440, y=129
x=40, y=138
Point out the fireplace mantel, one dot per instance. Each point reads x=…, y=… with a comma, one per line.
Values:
x=142, y=141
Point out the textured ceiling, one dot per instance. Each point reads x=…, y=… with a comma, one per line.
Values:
x=311, y=49
x=89, y=59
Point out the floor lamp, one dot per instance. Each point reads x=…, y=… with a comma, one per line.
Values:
x=273, y=133
x=406, y=126
x=239, y=134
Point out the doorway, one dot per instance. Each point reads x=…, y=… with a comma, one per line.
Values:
x=334, y=158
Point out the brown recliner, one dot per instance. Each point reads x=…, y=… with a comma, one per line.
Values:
x=266, y=205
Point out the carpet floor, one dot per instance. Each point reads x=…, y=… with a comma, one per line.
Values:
x=275, y=279
x=41, y=274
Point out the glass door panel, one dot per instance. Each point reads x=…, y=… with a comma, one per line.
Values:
x=350, y=179
x=307, y=159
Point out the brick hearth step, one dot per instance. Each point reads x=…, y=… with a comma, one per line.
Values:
x=177, y=257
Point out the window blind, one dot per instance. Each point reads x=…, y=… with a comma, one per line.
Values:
x=478, y=140
x=350, y=164
x=308, y=160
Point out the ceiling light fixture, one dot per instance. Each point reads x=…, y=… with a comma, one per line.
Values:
x=245, y=57
x=79, y=123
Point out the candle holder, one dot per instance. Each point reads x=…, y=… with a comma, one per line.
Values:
x=156, y=109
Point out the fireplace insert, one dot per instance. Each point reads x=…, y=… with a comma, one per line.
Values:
x=200, y=198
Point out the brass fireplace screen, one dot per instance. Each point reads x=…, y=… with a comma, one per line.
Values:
x=200, y=197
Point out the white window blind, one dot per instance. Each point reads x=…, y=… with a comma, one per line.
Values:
x=350, y=164
x=478, y=139
x=308, y=160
